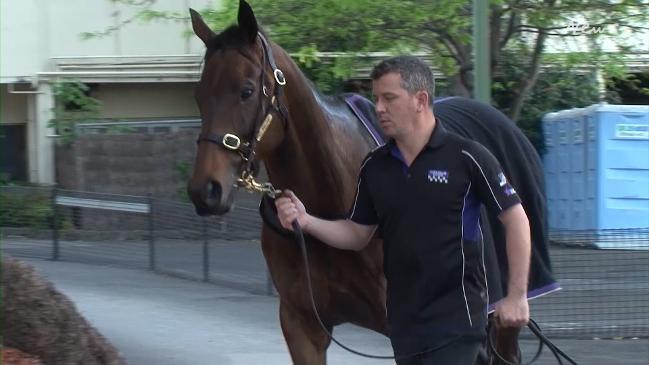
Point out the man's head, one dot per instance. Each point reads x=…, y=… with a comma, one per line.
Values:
x=403, y=89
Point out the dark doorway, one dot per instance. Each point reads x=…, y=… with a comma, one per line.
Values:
x=13, y=157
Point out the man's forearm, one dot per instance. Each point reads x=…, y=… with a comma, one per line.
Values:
x=343, y=234
x=517, y=231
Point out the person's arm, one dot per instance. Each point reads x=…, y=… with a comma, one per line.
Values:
x=501, y=199
x=513, y=310
x=344, y=234
x=517, y=235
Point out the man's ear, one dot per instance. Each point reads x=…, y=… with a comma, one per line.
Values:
x=422, y=100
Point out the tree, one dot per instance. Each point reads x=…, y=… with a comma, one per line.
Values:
x=561, y=87
x=72, y=105
x=441, y=28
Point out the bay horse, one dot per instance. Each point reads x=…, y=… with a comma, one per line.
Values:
x=256, y=105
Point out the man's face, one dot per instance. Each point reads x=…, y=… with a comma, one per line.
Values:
x=395, y=107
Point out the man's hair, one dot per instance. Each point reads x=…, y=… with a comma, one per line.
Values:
x=415, y=74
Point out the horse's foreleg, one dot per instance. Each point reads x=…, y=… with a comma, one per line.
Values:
x=306, y=340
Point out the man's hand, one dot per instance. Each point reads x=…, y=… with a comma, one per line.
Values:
x=513, y=311
x=290, y=208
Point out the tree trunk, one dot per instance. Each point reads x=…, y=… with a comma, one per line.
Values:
x=525, y=85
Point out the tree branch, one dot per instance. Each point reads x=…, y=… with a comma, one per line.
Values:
x=525, y=85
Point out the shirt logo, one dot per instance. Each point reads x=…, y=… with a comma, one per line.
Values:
x=438, y=176
x=502, y=180
x=507, y=189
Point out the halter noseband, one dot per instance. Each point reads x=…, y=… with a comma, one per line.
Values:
x=232, y=142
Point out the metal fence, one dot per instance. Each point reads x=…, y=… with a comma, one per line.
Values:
x=604, y=274
x=136, y=232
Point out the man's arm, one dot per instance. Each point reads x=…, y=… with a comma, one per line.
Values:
x=513, y=310
x=501, y=199
x=344, y=234
x=517, y=235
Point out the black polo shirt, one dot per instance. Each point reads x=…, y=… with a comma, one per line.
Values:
x=428, y=216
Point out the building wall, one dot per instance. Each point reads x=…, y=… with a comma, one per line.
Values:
x=36, y=31
x=133, y=101
x=131, y=163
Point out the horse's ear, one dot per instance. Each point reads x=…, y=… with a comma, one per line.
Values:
x=247, y=21
x=200, y=28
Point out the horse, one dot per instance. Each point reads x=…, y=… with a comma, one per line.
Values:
x=256, y=105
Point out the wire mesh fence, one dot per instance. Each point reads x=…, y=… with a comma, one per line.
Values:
x=604, y=274
x=605, y=279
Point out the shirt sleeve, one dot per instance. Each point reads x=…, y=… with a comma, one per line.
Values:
x=363, y=210
x=489, y=181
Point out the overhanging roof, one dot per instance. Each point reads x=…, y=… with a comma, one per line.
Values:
x=187, y=68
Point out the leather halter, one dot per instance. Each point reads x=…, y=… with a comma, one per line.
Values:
x=232, y=142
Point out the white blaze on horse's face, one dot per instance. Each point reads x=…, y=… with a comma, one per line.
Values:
x=395, y=106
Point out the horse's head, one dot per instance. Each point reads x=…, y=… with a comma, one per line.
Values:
x=238, y=96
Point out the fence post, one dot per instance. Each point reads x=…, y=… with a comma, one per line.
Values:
x=55, y=226
x=206, y=252
x=151, y=234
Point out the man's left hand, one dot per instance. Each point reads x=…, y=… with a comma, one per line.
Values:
x=513, y=311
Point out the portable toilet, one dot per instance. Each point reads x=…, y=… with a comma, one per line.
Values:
x=597, y=168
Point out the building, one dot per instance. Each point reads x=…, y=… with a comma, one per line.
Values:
x=138, y=71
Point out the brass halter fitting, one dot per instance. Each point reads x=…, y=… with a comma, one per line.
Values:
x=248, y=182
x=231, y=142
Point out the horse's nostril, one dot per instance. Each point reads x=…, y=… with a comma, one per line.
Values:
x=213, y=194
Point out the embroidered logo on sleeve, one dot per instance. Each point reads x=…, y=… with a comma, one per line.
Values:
x=507, y=189
x=502, y=180
x=438, y=176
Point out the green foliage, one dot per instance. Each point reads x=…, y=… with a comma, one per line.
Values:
x=144, y=14
x=632, y=89
x=32, y=210
x=441, y=28
x=72, y=106
x=557, y=88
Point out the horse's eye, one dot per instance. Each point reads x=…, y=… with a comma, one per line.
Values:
x=246, y=93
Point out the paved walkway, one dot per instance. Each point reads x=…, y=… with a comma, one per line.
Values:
x=156, y=319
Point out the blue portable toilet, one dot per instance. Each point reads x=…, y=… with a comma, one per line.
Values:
x=597, y=167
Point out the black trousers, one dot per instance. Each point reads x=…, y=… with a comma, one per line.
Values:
x=461, y=352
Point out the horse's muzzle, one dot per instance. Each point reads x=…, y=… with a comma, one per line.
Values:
x=208, y=199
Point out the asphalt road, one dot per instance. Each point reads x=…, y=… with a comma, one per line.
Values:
x=605, y=292
x=163, y=320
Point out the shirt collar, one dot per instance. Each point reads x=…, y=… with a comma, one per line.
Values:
x=437, y=138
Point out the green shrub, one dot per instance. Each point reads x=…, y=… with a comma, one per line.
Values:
x=32, y=210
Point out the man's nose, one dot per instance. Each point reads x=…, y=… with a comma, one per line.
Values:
x=379, y=107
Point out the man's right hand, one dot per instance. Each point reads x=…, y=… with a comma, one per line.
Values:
x=290, y=208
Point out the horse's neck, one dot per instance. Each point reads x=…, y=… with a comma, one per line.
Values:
x=317, y=158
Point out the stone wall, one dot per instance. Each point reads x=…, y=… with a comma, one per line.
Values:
x=130, y=163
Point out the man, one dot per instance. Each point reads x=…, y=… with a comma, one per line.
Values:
x=423, y=190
